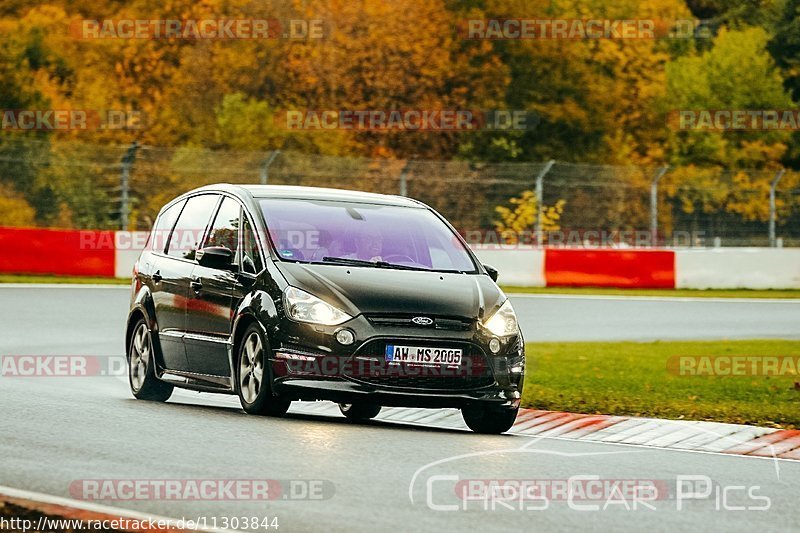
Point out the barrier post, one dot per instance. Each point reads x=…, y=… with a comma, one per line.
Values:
x=772, y=214
x=654, y=203
x=124, y=178
x=540, y=199
x=404, y=178
x=265, y=166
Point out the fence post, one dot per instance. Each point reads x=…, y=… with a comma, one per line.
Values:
x=124, y=185
x=540, y=199
x=654, y=203
x=772, y=215
x=404, y=178
x=265, y=166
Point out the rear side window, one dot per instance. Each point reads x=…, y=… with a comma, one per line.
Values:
x=225, y=230
x=185, y=239
x=160, y=235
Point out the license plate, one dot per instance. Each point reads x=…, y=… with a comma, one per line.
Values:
x=423, y=355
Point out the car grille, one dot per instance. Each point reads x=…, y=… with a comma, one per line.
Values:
x=405, y=321
x=474, y=372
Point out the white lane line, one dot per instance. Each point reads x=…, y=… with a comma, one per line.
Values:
x=713, y=299
x=89, y=507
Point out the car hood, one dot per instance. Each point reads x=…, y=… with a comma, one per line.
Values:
x=358, y=290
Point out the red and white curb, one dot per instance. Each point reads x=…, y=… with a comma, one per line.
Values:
x=687, y=435
x=58, y=509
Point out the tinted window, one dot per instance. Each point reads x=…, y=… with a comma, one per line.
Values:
x=225, y=229
x=311, y=230
x=188, y=232
x=164, y=224
x=251, y=257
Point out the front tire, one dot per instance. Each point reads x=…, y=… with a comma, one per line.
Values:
x=254, y=377
x=489, y=421
x=359, y=411
x=141, y=367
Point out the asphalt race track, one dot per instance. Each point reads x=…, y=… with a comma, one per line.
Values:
x=615, y=318
x=379, y=476
x=94, y=317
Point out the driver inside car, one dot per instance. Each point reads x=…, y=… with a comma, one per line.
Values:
x=369, y=245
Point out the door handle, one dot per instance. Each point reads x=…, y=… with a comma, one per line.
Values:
x=157, y=276
x=196, y=285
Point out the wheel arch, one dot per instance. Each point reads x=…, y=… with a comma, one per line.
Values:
x=243, y=322
x=255, y=307
x=144, y=308
x=134, y=317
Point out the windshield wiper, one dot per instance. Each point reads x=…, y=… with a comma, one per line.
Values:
x=348, y=261
x=375, y=264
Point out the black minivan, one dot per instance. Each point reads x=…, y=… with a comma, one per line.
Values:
x=280, y=294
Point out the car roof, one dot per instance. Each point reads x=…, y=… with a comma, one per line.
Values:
x=313, y=193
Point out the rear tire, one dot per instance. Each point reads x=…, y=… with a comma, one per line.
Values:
x=489, y=421
x=359, y=411
x=254, y=377
x=141, y=367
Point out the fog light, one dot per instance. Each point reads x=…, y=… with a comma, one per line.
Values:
x=494, y=345
x=345, y=336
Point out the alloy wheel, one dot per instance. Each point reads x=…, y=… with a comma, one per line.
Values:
x=140, y=356
x=251, y=368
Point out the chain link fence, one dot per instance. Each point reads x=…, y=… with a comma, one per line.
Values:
x=85, y=185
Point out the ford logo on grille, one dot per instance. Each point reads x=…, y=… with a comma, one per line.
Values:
x=422, y=320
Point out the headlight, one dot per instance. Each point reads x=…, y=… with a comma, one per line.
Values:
x=305, y=307
x=503, y=322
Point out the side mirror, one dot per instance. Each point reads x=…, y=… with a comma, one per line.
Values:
x=217, y=257
x=491, y=272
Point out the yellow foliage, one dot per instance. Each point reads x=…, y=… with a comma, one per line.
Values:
x=14, y=210
x=522, y=216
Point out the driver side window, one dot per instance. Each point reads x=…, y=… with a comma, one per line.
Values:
x=184, y=241
x=225, y=229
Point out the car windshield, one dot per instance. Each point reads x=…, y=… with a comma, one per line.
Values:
x=363, y=234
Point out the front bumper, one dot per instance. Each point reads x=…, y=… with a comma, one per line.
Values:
x=344, y=391
x=308, y=364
